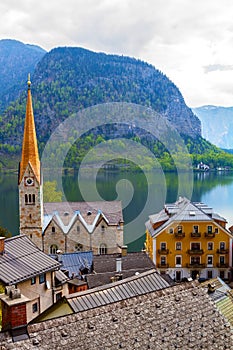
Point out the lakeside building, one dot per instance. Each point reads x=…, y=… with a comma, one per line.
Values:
x=188, y=239
x=68, y=227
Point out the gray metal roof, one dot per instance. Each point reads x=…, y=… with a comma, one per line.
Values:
x=74, y=263
x=22, y=260
x=130, y=287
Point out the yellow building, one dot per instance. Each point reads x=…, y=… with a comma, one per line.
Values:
x=188, y=239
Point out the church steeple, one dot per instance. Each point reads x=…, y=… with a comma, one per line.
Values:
x=30, y=180
x=30, y=153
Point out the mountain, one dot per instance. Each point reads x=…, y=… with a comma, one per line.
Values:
x=67, y=80
x=217, y=125
x=16, y=61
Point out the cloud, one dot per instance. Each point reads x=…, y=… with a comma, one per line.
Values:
x=185, y=39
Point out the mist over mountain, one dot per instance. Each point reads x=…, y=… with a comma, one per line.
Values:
x=217, y=125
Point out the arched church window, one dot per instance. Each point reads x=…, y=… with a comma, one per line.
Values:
x=33, y=198
x=26, y=199
x=102, y=249
x=53, y=249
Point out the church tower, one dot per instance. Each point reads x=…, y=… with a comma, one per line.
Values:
x=30, y=180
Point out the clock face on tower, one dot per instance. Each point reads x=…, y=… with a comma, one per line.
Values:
x=29, y=181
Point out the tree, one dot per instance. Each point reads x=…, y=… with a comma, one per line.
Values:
x=4, y=232
x=50, y=192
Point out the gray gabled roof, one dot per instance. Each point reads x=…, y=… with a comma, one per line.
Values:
x=127, y=288
x=22, y=260
x=182, y=210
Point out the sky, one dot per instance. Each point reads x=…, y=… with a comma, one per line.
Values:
x=190, y=41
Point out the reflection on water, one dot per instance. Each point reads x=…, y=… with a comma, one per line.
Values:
x=141, y=194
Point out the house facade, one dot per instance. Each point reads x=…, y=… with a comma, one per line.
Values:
x=28, y=276
x=68, y=227
x=188, y=239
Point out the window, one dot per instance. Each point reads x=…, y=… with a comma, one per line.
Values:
x=222, y=245
x=102, y=249
x=163, y=245
x=34, y=307
x=178, y=245
x=178, y=260
x=179, y=229
x=78, y=228
x=209, y=274
x=42, y=278
x=30, y=198
x=195, y=260
x=222, y=274
x=58, y=296
x=210, y=260
x=171, y=230
x=33, y=280
x=195, y=246
x=53, y=249
x=53, y=229
x=178, y=275
x=78, y=247
x=163, y=260
x=216, y=230
x=209, y=229
x=222, y=260
x=195, y=229
x=210, y=245
x=102, y=228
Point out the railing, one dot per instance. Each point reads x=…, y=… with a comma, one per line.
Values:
x=195, y=265
x=222, y=251
x=195, y=251
x=222, y=265
x=163, y=251
x=179, y=234
x=210, y=234
x=163, y=266
x=195, y=234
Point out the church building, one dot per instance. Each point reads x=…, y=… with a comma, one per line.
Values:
x=64, y=227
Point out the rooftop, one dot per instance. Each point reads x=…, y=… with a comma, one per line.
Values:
x=22, y=260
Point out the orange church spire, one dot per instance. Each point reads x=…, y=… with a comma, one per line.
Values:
x=30, y=153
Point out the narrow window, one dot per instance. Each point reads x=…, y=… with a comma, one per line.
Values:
x=26, y=199
x=33, y=280
x=42, y=278
x=195, y=229
x=33, y=198
x=30, y=198
x=178, y=245
x=210, y=246
x=34, y=307
x=222, y=245
x=78, y=228
x=222, y=274
x=210, y=260
x=222, y=260
x=102, y=228
x=163, y=260
x=209, y=274
x=209, y=229
x=179, y=229
x=53, y=249
x=53, y=229
x=178, y=260
x=102, y=249
x=163, y=246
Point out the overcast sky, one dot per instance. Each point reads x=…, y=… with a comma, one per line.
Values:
x=191, y=41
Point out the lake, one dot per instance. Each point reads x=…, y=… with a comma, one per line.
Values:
x=141, y=194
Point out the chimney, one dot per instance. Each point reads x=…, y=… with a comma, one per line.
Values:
x=118, y=264
x=124, y=249
x=2, y=245
x=14, y=314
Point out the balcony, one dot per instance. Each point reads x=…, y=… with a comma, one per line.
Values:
x=195, y=251
x=222, y=265
x=210, y=234
x=195, y=234
x=179, y=234
x=196, y=265
x=163, y=251
x=163, y=266
x=222, y=251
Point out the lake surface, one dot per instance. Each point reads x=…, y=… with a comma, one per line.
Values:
x=141, y=194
